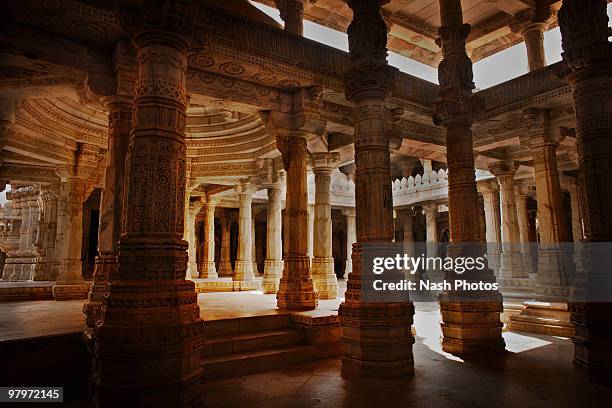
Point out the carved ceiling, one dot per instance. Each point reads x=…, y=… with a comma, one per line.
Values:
x=49, y=51
x=414, y=23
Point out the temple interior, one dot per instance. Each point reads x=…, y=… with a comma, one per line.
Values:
x=192, y=189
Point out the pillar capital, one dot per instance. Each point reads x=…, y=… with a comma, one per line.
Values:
x=245, y=189
x=487, y=186
x=349, y=212
x=584, y=31
x=503, y=168
x=325, y=161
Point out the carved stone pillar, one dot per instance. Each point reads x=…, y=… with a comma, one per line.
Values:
x=225, y=264
x=254, y=246
x=522, y=218
x=351, y=238
x=148, y=345
x=474, y=326
x=273, y=268
x=208, y=269
x=243, y=270
x=588, y=55
x=111, y=205
x=310, y=234
x=25, y=257
x=490, y=195
x=292, y=13
x=575, y=203
x=190, y=227
x=431, y=225
x=376, y=336
x=531, y=25
x=513, y=278
x=323, y=273
x=70, y=284
x=46, y=255
x=296, y=288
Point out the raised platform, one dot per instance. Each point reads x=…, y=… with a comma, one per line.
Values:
x=19, y=291
x=225, y=285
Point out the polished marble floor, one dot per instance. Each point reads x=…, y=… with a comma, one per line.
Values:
x=536, y=371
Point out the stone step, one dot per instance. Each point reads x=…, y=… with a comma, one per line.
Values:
x=223, y=345
x=233, y=365
x=244, y=325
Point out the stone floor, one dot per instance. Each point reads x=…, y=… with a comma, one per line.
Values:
x=535, y=372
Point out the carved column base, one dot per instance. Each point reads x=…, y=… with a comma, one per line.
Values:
x=147, y=349
x=209, y=271
x=513, y=276
x=70, y=292
x=273, y=270
x=593, y=330
x=225, y=269
x=42, y=270
x=105, y=267
x=472, y=327
x=543, y=318
x=377, y=340
x=296, y=289
x=324, y=278
x=70, y=284
x=244, y=271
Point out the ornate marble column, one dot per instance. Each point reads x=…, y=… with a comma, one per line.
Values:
x=588, y=56
x=474, y=326
x=520, y=196
x=513, y=278
x=225, y=264
x=376, y=336
x=323, y=273
x=292, y=13
x=572, y=186
x=490, y=195
x=351, y=238
x=310, y=234
x=190, y=227
x=273, y=268
x=25, y=257
x=74, y=191
x=208, y=269
x=147, y=347
x=111, y=205
x=243, y=270
x=296, y=288
x=531, y=25
x=431, y=226
x=47, y=263
x=254, y=247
